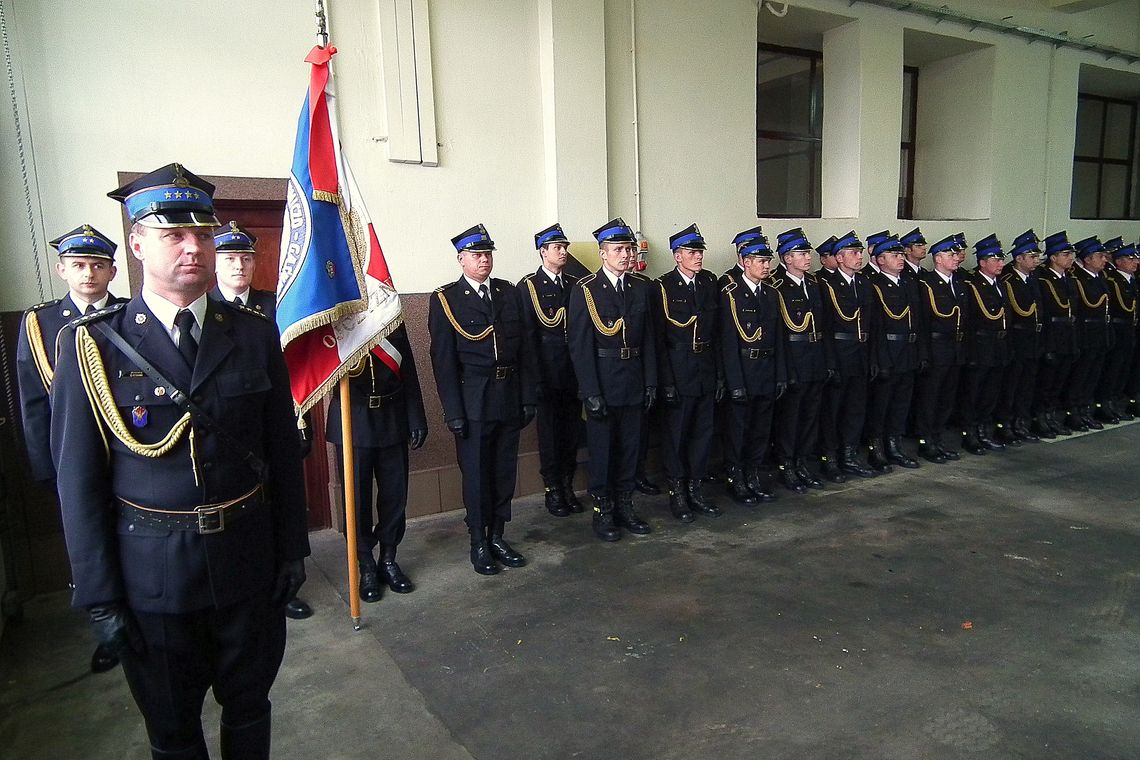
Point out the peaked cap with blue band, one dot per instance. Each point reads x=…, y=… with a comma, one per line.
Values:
x=1024, y=245
x=989, y=241
x=1126, y=251
x=1058, y=242
x=848, y=240
x=615, y=231
x=473, y=239
x=235, y=239
x=1113, y=244
x=988, y=247
x=888, y=244
x=914, y=237
x=171, y=196
x=552, y=234
x=948, y=244
x=960, y=241
x=1027, y=236
x=747, y=236
x=85, y=241
x=876, y=238
x=757, y=247
x=690, y=237
x=792, y=240
x=1089, y=246
x=827, y=247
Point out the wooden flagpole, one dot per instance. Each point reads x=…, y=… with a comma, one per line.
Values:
x=349, y=502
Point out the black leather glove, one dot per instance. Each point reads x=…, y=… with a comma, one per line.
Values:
x=781, y=389
x=718, y=394
x=832, y=377
x=458, y=426
x=738, y=396
x=596, y=407
x=290, y=577
x=529, y=410
x=668, y=396
x=419, y=435
x=650, y=396
x=923, y=365
x=874, y=371
x=115, y=628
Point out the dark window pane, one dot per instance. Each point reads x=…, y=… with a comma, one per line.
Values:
x=907, y=105
x=904, y=169
x=1090, y=113
x=788, y=177
x=1113, y=184
x=1083, y=201
x=1118, y=130
x=783, y=93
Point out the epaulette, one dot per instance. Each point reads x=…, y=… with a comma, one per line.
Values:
x=1005, y=276
x=778, y=283
x=810, y=276
x=246, y=310
x=525, y=277
x=729, y=286
x=638, y=276
x=706, y=274
x=44, y=305
x=588, y=278
x=106, y=311
x=446, y=285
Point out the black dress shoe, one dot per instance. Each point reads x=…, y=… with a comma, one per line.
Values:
x=850, y=464
x=697, y=501
x=1090, y=423
x=877, y=457
x=1075, y=423
x=760, y=486
x=603, y=519
x=555, y=499
x=971, y=444
x=1121, y=409
x=370, y=588
x=481, y=558
x=391, y=573
x=1105, y=413
x=931, y=452
x=790, y=479
x=103, y=659
x=831, y=470
x=1042, y=428
x=298, y=609
x=988, y=442
x=572, y=501
x=646, y=486
x=896, y=455
x=505, y=553
x=805, y=475
x=625, y=516
x=1004, y=433
x=737, y=487
x=1021, y=427
x=951, y=454
x=678, y=504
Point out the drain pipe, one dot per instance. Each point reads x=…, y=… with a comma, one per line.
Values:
x=636, y=141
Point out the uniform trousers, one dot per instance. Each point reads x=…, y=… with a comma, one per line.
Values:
x=1052, y=381
x=979, y=393
x=235, y=650
x=1019, y=382
x=1132, y=384
x=614, y=443
x=488, y=459
x=842, y=412
x=889, y=404
x=797, y=420
x=559, y=419
x=1083, y=378
x=688, y=424
x=748, y=431
x=1117, y=362
x=387, y=467
x=935, y=393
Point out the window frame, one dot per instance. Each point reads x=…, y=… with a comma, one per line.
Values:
x=813, y=137
x=1100, y=161
x=906, y=203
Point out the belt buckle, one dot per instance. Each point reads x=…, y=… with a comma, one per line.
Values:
x=1037, y=327
x=813, y=337
x=502, y=373
x=959, y=336
x=753, y=353
x=623, y=352
x=374, y=402
x=210, y=520
x=698, y=347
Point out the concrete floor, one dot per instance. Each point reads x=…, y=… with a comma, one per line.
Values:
x=983, y=609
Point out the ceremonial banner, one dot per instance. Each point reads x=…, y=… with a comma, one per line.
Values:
x=335, y=299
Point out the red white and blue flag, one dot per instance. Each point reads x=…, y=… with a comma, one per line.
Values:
x=335, y=298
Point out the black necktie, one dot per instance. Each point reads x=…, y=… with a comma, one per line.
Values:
x=187, y=346
x=558, y=281
x=237, y=301
x=693, y=290
x=90, y=308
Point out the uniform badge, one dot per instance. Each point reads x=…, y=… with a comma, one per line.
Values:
x=550, y=312
x=218, y=317
x=67, y=312
x=258, y=307
x=140, y=319
x=138, y=416
x=160, y=391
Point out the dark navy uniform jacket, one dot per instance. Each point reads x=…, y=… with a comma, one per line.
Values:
x=686, y=358
x=1122, y=297
x=987, y=322
x=1026, y=315
x=544, y=307
x=897, y=322
x=622, y=382
x=386, y=407
x=481, y=363
x=849, y=306
x=945, y=319
x=805, y=316
x=751, y=338
x=1092, y=310
x=264, y=301
x=35, y=362
x=239, y=379
x=1058, y=295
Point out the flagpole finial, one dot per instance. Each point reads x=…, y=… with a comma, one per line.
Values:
x=322, y=24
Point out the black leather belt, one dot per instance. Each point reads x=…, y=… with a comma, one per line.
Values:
x=629, y=352
x=695, y=347
x=861, y=338
x=1063, y=320
x=204, y=520
x=812, y=337
x=755, y=353
x=1028, y=328
x=1123, y=321
x=906, y=337
x=957, y=337
x=375, y=402
x=991, y=334
x=498, y=372
x=560, y=338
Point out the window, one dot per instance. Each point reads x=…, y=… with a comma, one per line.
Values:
x=1104, y=159
x=789, y=131
x=909, y=127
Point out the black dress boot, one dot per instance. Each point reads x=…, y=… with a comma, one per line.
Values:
x=1089, y=420
x=1121, y=408
x=646, y=486
x=972, y=444
x=481, y=558
x=930, y=452
x=760, y=485
x=1021, y=427
x=850, y=464
x=805, y=475
x=897, y=455
x=877, y=456
x=626, y=517
x=555, y=498
x=790, y=479
x=1104, y=412
x=298, y=609
x=1005, y=433
x=951, y=455
x=248, y=742
x=737, y=487
x=1042, y=427
x=370, y=588
x=678, y=504
x=500, y=549
x=1056, y=419
x=568, y=495
x=103, y=659
x=697, y=502
x=1076, y=422
x=989, y=443
x=391, y=573
x=603, y=519
x=829, y=467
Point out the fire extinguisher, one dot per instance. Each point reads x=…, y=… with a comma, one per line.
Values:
x=642, y=252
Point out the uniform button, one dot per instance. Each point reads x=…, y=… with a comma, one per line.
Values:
x=131, y=528
x=207, y=465
x=138, y=398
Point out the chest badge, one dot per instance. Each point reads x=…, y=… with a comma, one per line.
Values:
x=160, y=391
x=138, y=416
x=140, y=319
